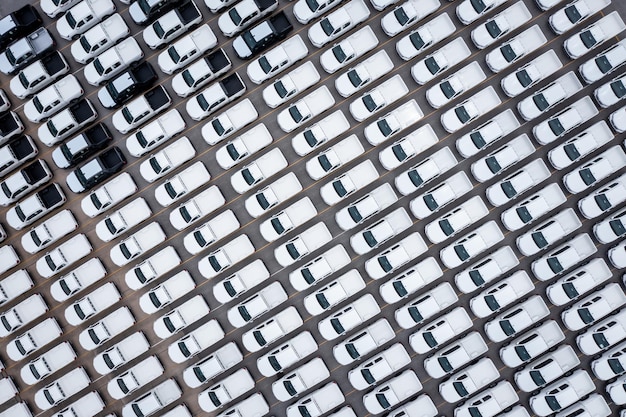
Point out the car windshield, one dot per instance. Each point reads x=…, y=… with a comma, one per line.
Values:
x=445, y=364
x=214, y=263
x=244, y=313
x=585, y=315
x=523, y=214
x=339, y=188
x=248, y=177
x=367, y=376
x=541, y=102
x=430, y=339
x=460, y=389
x=370, y=239
x=274, y=363
x=508, y=189
x=600, y=340
x=537, y=378
x=199, y=238
x=308, y=276
x=232, y=151
x=430, y=202
x=618, y=88
x=478, y=140
x=198, y=372
x=259, y=338
x=384, y=127
x=432, y=65
x=339, y=53
x=415, y=178
x=616, y=366
x=508, y=53
x=323, y=302
x=553, y=403
x=523, y=78
x=369, y=103
x=214, y=398
x=277, y=225
x=295, y=114
x=260, y=198
x=290, y=388
x=85, y=44
x=173, y=53
x=354, y=78
x=570, y=290
x=292, y=250
x=185, y=214
x=462, y=114
x=234, y=15
x=587, y=39
x=313, y=5
x=415, y=314
x=265, y=65
x=122, y=385
x=337, y=325
x=354, y=214
x=478, y=5
x=325, y=162
x=617, y=226
x=603, y=202
x=399, y=288
x=158, y=29
x=401, y=16
x=492, y=302
x=554, y=264
x=417, y=40
x=476, y=278
x=382, y=400
x=384, y=263
x=493, y=165
x=447, y=89
x=202, y=102
x=354, y=354
x=587, y=176
x=506, y=327
x=603, y=63
x=522, y=353
x=230, y=289
x=539, y=239
x=493, y=29
x=280, y=89
x=461, y=252
x=571, y=151
x=398, y=151
x=327, y=27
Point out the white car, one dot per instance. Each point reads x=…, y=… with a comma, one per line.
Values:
x=594, y=35
x=23, y=181
x=108, y=195
x=155, y=133
x=338, y=22
x=522, y=180
x=215, y=96
x=230, y=122
x=287, y=354
x=319, y=268
x=120, y=353
x=426, y=306
x=99, y=38
x=305, y=11
x=604, y=63
x=225, y=257
x=469, y=110
x=334, y=157
x=617, y=391
x=525, y=77
x=34, y=339
x=217, y=228
x=566, y=120
x=318, y=402
x=593, y=307
x=300, y=379
x=501, y=24
x=381, y=231
x=603, y=335
x=243, y=14
x=272, y=195
x=440, y=330
x=408, y=147
x=106, y=328
x=406, y=15
x=410, y=281
x=38, y=75
x=425, y=171
x=610, y=364
x=393, y=122
x=612, y=228
x=610, y=93
x=171, y=25
x=394, y=391
x=378, y=98
x=548, y=232
x=21, y=314
x=183, y=183
x=549, y=96
x=34, y=207
x=113, y=61
x=308, y=107
x=226, y=390
x=574, y=13
x=134, y=378
x=532, y=344
x=348, y=49
x=201, y=72
x=167, y=292
x=257, y=305
x=455, y=356
x=469, y=11
x=348, y=317
x=137, y=244
x=192, y=210
x=291, y=84
x=288, y=219
x=533, y=207
x=181, y=317
x=139, y=110
x=426, y=36
x=515, y=49
x=396, y=256
x=187, y=49
x=48, y=363
x=49, y=231
x=327, y=129
x=472, y=379
x=53, y=98
x=154, y=400
x=93, y=303
x=363, y=74
x=546, y=368
x=241, y=281
x=364, y=342
x=365, y=207
x=277, y=59
x=563, y=257
x=562, y=393
x=581, y=145
x=500, y=295
x=258, y=171
x=77, y=280
x=123, y=219
x=152, y=268
x=334, y=292
x=379, y=367
x=303, y=244
x=578, y=282
x=487, y=134
x=63, y=256
x=486, y=270
x=83, y=16
x=271, y=330
x=64, y=387
x=167, y=159
x=516, y=319
x=489, y=402
x=602, y=166
x=351, y=181
x=502, y=158
x=453, y=86
x=196, y=341
x=440, y=195
x=440, y=61
x=604, y=199
x=14, y=285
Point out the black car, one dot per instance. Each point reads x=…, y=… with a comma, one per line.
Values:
x=127, y=85
x=96, y=170
x=18, y=24
x=82, y=146
x=262, y=36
